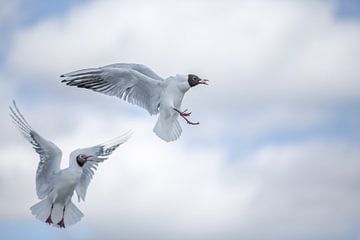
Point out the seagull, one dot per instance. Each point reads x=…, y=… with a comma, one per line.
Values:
x=138, y=84
x=55, y=186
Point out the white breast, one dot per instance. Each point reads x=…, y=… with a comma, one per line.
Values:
x=174, y=91
x=65, y=184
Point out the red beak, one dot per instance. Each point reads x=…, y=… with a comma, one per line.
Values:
x=87, y=157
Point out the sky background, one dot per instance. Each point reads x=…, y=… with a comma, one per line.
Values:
x=276, y=154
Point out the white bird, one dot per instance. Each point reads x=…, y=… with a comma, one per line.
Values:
x=139, y=85
x=55, y=186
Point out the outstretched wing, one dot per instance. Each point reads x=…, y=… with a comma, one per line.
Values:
x=50, y=154
x=100, y=153
x=134, y=83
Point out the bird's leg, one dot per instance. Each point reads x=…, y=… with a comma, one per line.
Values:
x=61, y=224
x=185, y=114
x=49, y=220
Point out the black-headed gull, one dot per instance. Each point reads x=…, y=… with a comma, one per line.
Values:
x=139, y=85
x=55, y=186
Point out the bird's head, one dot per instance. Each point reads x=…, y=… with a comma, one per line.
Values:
x=195, y=80
x=81, y=159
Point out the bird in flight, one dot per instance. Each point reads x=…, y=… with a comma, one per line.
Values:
x=138, y=84
x=55, y=186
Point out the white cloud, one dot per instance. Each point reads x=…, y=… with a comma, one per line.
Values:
x=170, y=191
x=287, y=60
x=274, y=66
x=253, y=51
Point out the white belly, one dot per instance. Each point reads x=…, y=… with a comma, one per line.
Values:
x=64, y=186
x=172, y=97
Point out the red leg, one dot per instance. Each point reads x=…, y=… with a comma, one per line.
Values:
x=185, y=114
x=49, y=220
x=61, y=224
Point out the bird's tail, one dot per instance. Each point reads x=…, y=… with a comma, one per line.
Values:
x=72, y=214
x=42, y=209
x=168, y=129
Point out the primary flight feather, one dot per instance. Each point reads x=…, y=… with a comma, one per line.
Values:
x=138, y=84
x=55, y=186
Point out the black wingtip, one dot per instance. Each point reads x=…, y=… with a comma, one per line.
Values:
x=62, y=75
x=13, y=104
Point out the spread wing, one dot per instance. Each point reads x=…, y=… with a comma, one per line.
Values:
x=100, y=153
x=134, y=83
x=50, y=154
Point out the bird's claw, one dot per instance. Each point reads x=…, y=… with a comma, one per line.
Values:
x=185, y=114
x=192, y=123
x=61, y=224
x=49, y=220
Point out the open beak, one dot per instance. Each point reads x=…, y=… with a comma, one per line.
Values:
x=87, y=158
x=204, y=81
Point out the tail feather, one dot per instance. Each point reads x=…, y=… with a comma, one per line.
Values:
x=57, y=213
x=168, y=129
x=42, y=209
x=72, y=214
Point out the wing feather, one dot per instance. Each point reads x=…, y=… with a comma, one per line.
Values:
x=50, y=154
x=100, y=153
x=134, y=83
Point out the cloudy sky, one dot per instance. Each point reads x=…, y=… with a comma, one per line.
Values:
x=276, y=154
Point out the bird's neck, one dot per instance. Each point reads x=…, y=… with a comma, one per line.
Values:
x=180, y=82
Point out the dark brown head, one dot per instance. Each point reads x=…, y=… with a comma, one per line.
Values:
x=82, y=159
x=195, y=80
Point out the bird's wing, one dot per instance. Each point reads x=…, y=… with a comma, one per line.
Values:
x=134, y=83
x=138, y=67
x=100, y=153
x=50, y=154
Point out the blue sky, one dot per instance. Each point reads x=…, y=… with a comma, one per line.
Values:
x=276, y=154
x=348, y=9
